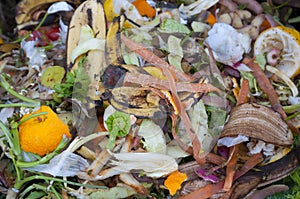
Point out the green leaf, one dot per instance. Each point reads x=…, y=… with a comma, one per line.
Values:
x=173, y=26
x=252, y=82
x=36, y=195
x=261, y=61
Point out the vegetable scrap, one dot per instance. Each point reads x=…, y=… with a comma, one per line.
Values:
x=150, y=99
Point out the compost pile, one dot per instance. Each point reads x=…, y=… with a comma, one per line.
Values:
x=150, y=99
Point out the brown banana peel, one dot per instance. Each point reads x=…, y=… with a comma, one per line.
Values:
x=113, y=42
x=26, y=8
x=88, y=13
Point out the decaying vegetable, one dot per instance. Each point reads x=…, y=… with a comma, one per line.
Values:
x=42, y=134
x=153, y=66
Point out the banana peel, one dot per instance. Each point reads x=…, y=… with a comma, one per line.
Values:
x=26, y=8
x=113, y=42
x=90, y=13
x=141, y=103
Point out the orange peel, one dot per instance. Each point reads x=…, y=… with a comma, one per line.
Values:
x=286, y=41
x=174, y=181
x=42, y=134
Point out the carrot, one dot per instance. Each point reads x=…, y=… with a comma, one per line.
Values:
x=205, y=192
x=230, y=169
x=265, y=85
x=144, y=8
x=211, y=19
x=265, y=25
x=243, y=94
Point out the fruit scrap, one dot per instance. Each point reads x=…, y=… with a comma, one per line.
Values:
x=174, y=181
x=42, y=134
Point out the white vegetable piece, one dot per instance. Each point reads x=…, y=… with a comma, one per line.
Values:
x=196, y=7
x=227, y=44
x=153, y=164
x=36, y=55
x=231, y=141
x=65, y=164
x=59, y=6
x=154, y=137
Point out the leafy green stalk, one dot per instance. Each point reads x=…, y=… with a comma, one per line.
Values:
x=4, y=84
x=20, y=183
x=118, y=125
x=291, y=108
x=75, y=85
x=46, y=158
x=28, y=105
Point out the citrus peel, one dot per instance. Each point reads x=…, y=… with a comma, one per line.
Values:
x=285, y=41
x=42, y=134
x=174, y=181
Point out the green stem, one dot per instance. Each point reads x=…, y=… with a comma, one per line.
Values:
x=18, y=171
x=291, y=108
x=8, y=88
x=32, y=116
x=46, y=158
x=17, y=147
x=36, y=28
x=292, y=116
x=31, y=188
x=18, y=105
x=186, y=38
x=20, y=183
x=7, y=134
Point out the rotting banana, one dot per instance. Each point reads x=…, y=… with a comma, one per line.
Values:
x=141, y=103
x=26, y=8
x=88, y=13
x=113, y=42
